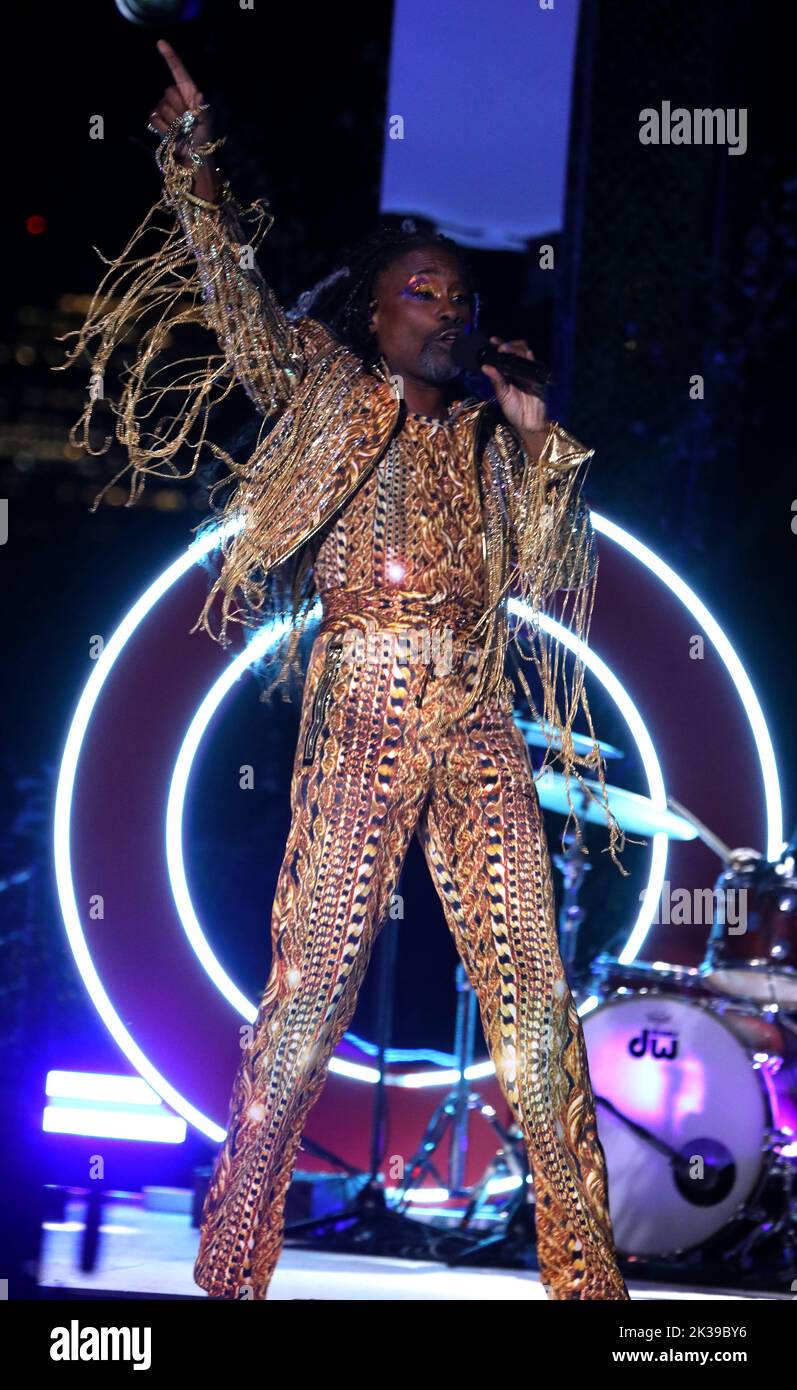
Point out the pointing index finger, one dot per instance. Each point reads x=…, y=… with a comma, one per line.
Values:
x=178, y=70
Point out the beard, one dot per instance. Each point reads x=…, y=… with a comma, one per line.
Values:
x=437, y=363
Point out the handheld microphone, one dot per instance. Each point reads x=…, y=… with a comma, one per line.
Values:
x=472, y=350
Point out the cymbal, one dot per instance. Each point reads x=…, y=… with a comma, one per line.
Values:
x=533, y=734
x=635, y=814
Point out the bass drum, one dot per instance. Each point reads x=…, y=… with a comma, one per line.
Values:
x=685, y=1102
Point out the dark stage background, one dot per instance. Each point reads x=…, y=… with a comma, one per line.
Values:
x=666, y=268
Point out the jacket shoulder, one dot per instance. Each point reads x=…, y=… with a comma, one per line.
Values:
x=315, y=337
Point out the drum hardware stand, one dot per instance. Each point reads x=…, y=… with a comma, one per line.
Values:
x=453, y=1111
x=644, y=1134
x=458, y=1245
x=679, y=1159
x=723, y=851
x=574, y=869
x=517, y=1235
x=372, y=1226
x=785, y=1226
x=509, y=1160
x=516, y=1238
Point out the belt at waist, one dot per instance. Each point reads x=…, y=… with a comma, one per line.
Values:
x=404, y=625
x=399, y=608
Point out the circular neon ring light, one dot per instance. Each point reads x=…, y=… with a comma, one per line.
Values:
x=731, y=662
x=62, y=827
x=79, y=727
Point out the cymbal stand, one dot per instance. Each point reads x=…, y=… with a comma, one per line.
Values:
x=574, y=869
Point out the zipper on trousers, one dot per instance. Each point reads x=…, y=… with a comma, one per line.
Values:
x=323, y=694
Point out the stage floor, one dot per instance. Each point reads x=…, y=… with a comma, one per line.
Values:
x=144, y=1252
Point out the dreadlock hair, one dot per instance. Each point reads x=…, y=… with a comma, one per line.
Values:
x=342, y=301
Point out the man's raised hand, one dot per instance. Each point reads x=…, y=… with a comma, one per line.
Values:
x=183, y=95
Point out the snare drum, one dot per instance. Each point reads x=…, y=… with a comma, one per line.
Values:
x=609, y=978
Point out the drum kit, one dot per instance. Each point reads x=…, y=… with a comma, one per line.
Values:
x=694, y=1069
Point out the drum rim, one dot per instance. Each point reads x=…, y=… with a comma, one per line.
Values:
x=671, y=970
x=758, y=964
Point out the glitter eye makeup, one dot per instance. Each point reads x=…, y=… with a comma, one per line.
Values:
x=419, y=287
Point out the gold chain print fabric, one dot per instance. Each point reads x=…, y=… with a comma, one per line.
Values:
x=415, y=524
x=370, y=770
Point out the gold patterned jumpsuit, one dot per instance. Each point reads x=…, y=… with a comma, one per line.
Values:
x=400, y=572
x=403, y=564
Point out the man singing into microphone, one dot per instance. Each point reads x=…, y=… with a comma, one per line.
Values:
x=404, y=507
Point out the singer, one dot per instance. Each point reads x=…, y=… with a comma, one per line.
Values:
x=379, y=486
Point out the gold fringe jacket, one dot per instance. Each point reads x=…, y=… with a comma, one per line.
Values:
x=326, y=421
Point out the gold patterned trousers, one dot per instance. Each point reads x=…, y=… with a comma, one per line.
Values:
x=367, y=774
